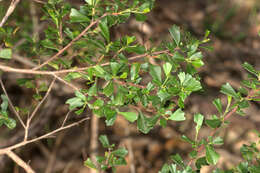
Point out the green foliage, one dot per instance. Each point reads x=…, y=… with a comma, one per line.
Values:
x=114, y=84
x=4, y=118
x=113, y=157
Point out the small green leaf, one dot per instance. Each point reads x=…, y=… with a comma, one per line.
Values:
x=213, y=123
x=80, y=95
x=130, y=116
x=104, y=141
x=178, y=115
x=167, y=67
x=178, y=160
x=90, y=164
x=49, y=44
x=72, y=75
x=201, y=162
x=93, y=90
x=134, y=73
x=198, y=119
x=155, y=72
x=104, y=30
x=109, y=89
x=145, y=124
x=6, y=53
x=218, y=105
x=74, y=102
x=176, y=34
x=211, y=155
x=4, y=104
x=121, y=152
x=77, y=17
x=115, y=68
x=10, y=123
x=250, y=69
x=218, y=141
x=228, y=90
x=186, y=139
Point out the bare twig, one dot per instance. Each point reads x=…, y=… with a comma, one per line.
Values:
x=19, y=161
x=9, y=11
x=23, y=143
x=29, y=71
x=36, y=109
x=94, y=139
x=11, y=104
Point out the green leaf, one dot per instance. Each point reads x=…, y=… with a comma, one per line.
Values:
x=104, y=30
x=211, y=155
x=198, y=119
x=134, y=73
x=72, y=75
x=90, y=164
x=80, y=95
x=197, y=63
x=186, y=139
x=201, y=162
x=163, y=95
x=178, y=160
x=196, y=56
x=176, y=34
x=250, y=69
x=10, y=123
x=228, y=90
x=218, y=141
x=130, y=116
x=93, y=90
x=6, y=53
x=188, y=82
x=155, y=72
x=110, y=115
x=215, y=122
x=49, y=44
x=75, y=102
x=4, y=104
x=104, y=141
x=77, y=17
x=167, y=67
x=109, y=89
x=145, y=124
x=115, y=68
x=218, y=105
x=178, y=115
x=121, y=152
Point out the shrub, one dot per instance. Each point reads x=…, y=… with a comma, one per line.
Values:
x=80, y=47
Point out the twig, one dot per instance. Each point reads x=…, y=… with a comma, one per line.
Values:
x=19, y=161
x=23, y=143
x=65, y=119
x=9, y=11
x=94, y=139
x=68, y=45
x=11, y=104
x=36, y=109
x=30, y=71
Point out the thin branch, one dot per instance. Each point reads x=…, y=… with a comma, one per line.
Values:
x=65, y=119
x=23, y=143
x=70, y=44
x=30, y=71
x=36, y=109
x=11, y=104
x=19, y=161
x=9, y=11
x=94, y=139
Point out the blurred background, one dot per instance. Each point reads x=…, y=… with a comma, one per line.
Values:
x=234, y=26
